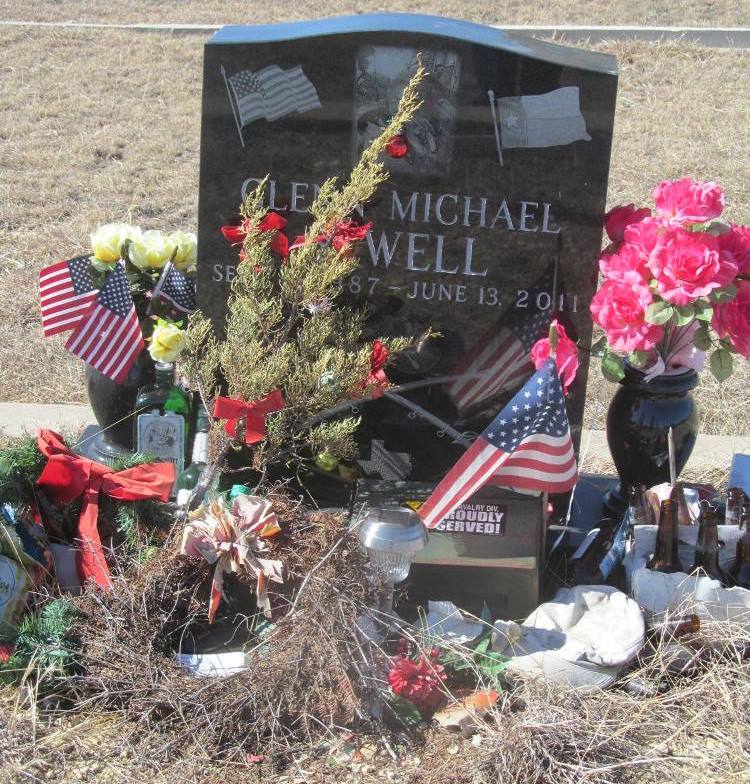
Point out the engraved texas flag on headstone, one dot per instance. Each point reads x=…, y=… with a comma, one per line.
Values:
x=549, y=120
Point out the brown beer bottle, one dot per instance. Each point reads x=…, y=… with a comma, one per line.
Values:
x=665, y=558
x=585, y=561
x=677, y=627
x=741, y=568
x=735, y=500
x=707, y=546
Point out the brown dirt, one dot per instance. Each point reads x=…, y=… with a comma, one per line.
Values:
x=716, y=13
x=97, y=126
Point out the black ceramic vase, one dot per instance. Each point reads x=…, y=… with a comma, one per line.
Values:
x=638, y=423
x=113, y=406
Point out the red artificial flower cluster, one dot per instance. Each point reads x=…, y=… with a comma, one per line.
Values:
x=376, y=382
x=675, y=260
x=418, y=681
x=341, y=236
x=272, y=222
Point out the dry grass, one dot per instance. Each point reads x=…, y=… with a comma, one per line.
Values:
x=713, y=13
x=104, y=125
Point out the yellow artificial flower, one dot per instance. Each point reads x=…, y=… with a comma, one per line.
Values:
x=167, y=342
x=106, y=241
x=152, y=250
x=186, y=253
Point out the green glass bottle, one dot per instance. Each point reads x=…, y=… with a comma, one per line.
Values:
x=154, y=433
x=188, y=479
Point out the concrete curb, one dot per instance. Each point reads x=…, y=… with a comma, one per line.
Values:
x=19, y=418
x=715, y=37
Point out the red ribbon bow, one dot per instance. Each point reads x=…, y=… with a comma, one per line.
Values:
x=68, y=476
x=254, y=413
x=271, y=222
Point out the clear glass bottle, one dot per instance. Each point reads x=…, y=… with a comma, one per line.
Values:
x=735, y=499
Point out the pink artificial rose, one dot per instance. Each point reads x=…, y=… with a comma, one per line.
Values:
x=566, y=355
x=732, y=319
x=688, y=266
x=685, y=201
x=646, y=235
x=736, y=243
x=619, y=308
x=627, y=258
x=619, y=218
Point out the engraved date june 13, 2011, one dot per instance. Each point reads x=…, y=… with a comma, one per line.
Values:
x=460, y=293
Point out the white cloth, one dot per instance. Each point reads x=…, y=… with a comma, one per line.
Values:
x=583, y=637
x=658, y=593
x=445, y=620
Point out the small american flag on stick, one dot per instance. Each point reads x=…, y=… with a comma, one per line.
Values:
x=175, y=288
x=527, y=446
x=66, y=291
x=109, y=336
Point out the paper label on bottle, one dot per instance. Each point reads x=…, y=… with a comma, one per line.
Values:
x=200, y=448
x=585, y=544
x=163, y=436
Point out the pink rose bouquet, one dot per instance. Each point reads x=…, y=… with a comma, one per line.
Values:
x=675, y=284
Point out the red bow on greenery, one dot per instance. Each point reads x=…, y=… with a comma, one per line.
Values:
x=68, y=476
x=377, y=381
x=271, y=222
x=343, y=234
x=254, y=414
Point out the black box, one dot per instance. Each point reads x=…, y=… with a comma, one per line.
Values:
x=491, y=549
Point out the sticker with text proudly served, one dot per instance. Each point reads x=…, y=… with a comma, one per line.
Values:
x=474, y=518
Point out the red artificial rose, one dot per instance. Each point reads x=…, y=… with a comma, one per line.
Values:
x=566, y=355
x=418, y=681
x=397, y=146
x=619, y=218
x=627, y=258
x=6, y=651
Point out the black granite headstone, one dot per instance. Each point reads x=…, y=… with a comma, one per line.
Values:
x=486, y=228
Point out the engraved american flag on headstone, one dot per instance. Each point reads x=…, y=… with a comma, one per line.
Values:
x=109, y=336
x=270, y=93
x=527, y=446
x=499, y=360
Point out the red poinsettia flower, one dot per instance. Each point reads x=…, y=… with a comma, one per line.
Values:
x=418, y=681
x=397, y=146
x=271, y=222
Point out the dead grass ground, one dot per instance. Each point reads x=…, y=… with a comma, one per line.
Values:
x=713, y=13
x=98, y=126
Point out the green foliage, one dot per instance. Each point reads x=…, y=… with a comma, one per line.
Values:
x=721, y=364
x=480, y=665
x=275, y=336
x=702, y=338
x=659, y=312
x=612, y=367
x=44, y=643
x=21, y=463
x=401, y=711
